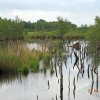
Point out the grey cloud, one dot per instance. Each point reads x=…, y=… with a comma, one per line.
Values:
x=48, y=5
x=55, y=5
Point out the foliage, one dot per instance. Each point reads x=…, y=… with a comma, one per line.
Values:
x=43, y=26
x=18, y=29
x=11, y=29
x=46, y=59
x=20, y=60
x=94, y=30
x=64, y=26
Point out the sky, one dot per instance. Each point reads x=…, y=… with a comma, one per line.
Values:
x=77, y=11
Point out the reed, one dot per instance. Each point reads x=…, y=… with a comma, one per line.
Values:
x=46, y=58
x=19, y=60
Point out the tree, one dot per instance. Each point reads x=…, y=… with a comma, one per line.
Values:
x=62, y=25
x=97, y=24
x=11, y=29
x=65, y=26
x=41, y=25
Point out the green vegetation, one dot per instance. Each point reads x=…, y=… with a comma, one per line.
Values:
x=46, y=59
x=11, y=61
x=11, y=29
x=55, y=35
x=21, y=60
x=61, y=29
x=94, y=30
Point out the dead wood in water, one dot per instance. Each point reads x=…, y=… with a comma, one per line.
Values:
x=61, y=83
x=88, y=71
x=37, y=97
x=92, y=81
x=76, y=61
x=69, y=85
x=48, y=84
x=76, y=46
x=74, y=87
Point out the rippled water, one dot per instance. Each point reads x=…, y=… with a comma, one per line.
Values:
x=75, y=74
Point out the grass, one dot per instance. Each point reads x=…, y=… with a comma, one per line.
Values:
x=92, y=35
x=18, y=60
x=39, y=35
x=46, y=58
x=21, y=59
x=55, y=35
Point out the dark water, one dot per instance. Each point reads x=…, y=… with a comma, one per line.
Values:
x=72, y=74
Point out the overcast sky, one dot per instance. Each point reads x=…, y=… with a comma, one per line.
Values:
x=77, y=11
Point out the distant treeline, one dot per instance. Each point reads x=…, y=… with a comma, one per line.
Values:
x=42, y=25
x=11, y=29
x=16, y=29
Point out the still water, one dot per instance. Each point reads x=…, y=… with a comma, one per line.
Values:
x=73, y=74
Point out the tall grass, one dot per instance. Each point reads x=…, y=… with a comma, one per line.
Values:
x=55, y=35
x=40, y=35
x=18, y=58
x=46, y=58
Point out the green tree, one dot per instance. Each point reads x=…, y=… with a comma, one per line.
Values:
x=11, y=29
x=62, y=26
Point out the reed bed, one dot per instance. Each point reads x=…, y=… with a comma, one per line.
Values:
x=18, y=59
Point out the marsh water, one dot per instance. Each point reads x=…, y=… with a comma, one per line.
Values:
x=73, y=73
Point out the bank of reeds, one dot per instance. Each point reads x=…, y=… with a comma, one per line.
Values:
x=19, y=59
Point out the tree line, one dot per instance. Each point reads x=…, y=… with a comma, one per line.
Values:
x=15, y=29
x=42, y=25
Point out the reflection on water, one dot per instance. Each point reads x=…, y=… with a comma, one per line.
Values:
x=72, y=73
